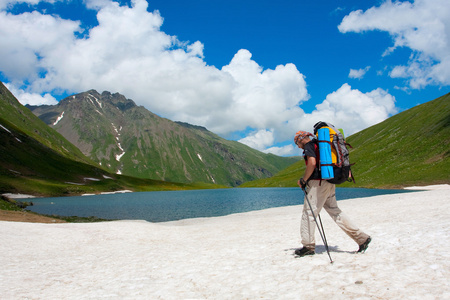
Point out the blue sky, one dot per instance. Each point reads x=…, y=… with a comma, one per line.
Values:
x=254, y=71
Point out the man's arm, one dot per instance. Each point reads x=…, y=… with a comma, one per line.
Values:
x=309, y=169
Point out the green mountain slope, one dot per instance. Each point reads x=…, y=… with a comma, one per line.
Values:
x=23, y=118
x=29, y=167
x=410, y=148
x=128, y=139
x=36, y=160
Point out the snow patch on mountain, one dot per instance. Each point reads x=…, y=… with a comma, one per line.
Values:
x=96, y=100
x=58, y=119
x=6, y=129
x=118, y=156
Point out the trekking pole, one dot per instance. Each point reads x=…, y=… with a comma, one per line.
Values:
x=323, y=231
x=322, y=235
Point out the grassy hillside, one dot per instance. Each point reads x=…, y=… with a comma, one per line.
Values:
x=23, y=118
x=231, y=161
x=410, y=148
x=29, y=167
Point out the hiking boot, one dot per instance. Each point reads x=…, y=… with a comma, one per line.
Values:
x=363, y=247
x=304, y=251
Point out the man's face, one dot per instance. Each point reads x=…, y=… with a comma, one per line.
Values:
x=301, y=143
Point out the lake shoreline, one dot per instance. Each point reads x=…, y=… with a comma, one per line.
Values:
x=168, y=206
x=18, y=196
x=30, y=216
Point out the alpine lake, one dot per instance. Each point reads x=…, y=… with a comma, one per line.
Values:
x=177, y=205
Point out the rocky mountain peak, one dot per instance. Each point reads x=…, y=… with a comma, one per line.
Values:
x=118, y=100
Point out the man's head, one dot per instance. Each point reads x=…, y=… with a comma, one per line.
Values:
x=302, y=138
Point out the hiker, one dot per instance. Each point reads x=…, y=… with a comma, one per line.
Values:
x=320, y=194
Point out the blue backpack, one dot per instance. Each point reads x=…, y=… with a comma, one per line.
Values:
x=340, y=162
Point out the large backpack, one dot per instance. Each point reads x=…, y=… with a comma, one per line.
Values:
x=339, y=154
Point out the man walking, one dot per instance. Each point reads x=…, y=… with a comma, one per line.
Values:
x=320, y=194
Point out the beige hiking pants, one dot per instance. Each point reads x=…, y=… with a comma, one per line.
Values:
x=322, y=194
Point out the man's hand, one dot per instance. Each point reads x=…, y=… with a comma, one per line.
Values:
x=302, y=183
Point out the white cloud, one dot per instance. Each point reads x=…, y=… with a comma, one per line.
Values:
x=259, y=140
x=358, y=74
x=263, y=99
x=128, y=53
x=353, y=110
x=28, y=37
x=345, y=108
x=348, y=109
x=263, y=140
x=287, y=150
x=423, y=26
x=30, y=98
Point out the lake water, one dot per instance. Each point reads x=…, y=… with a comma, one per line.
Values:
x=177, y=205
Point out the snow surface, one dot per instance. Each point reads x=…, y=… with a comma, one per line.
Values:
x=116, y=192
x=240, y=256
x=18, y=196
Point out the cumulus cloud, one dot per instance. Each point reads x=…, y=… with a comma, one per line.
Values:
x=264, y=99
x=423, y=26
x=288, y=150
x=31, y=98
x=354, y=110
x=263, y=140
x=128, y=53
x=346, y=108
x=28, y=40
x=260, y=139
x=358, y=74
